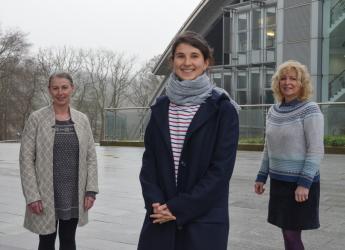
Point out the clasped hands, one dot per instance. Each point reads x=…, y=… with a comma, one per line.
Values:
x=161, y=213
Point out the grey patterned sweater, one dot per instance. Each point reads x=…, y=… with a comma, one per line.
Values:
x=294, y=143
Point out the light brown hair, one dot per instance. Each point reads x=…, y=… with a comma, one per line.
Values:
x=63, y=75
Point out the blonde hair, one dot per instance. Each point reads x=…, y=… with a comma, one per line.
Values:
x=303, y=78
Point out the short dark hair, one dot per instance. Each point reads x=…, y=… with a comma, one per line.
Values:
x=195, y=40
x=60, y=75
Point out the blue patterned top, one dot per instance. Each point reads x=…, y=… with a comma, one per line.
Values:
x=293, y=144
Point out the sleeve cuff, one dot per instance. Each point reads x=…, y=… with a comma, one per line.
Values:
x=261, y=178
x=304, y=182
x=91, y=194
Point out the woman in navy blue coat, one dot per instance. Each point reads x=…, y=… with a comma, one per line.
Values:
x=190, y=151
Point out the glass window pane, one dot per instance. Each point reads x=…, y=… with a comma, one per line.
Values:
x=242, y=41
x=227, y=83
x=242, y=58
x=241, y=97
x=270, y=37
x=268, y=81
x=271, y=55
x=257, y=19
x=217, y=79
x=271, y=16
x=255, y=89
x=242, y=21
x=256, y=56
x=242, y=80
x=256, y=39
x=269, y=99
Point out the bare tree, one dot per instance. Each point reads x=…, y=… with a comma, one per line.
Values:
x=26, y=82
x=145, y=84
x=109, y=76
x=102, y=80
x=51, y=60
x=13, y=48
x=121, y=78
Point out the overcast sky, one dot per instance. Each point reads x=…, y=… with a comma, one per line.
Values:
x=142, y=28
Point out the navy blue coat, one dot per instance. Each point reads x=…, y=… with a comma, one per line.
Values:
x=200, y=200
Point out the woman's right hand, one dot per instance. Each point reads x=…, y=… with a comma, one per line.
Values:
x=161, y=213
x=259, y=187
x=36, y=207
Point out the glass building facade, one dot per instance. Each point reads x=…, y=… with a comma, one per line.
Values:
x=249, y=53
x=333, y=51
x=250, y=38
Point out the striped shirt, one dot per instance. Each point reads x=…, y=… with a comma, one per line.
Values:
x=180, y=117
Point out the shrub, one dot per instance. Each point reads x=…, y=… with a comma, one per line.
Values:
x=334, y=140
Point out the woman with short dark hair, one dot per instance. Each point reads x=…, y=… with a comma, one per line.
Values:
x=190, y=151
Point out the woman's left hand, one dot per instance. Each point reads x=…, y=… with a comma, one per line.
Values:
x=88, y=202
x=301, y=194
x=161, y=214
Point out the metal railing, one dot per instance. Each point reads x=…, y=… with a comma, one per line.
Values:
x=337, y=11
x=129, y=124
x=337, y=84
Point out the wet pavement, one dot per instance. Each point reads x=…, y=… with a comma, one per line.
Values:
x=116, y=218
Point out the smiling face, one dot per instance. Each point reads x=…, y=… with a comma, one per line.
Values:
x=188, y=62
x=289, y=85
x=61, y=90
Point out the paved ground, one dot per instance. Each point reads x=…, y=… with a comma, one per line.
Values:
x=116, y=219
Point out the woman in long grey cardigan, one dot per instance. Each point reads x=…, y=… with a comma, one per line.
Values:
x=58, y=168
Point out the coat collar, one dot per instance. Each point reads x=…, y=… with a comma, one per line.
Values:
x=52, y=119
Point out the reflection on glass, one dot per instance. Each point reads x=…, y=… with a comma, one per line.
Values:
x=227, y=82
x=242, y=58
x=217, y=79
x=242, y=80
x=270, y=37
x=257, y=19
x=242, y=21
x=255, y=88
x=242, y=41
x=268, y=81
x=269, y=99
x=256, y=39
x=271, y=55
x=241, y=97
x=271, y=16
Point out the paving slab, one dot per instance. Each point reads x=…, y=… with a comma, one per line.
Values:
x=116, y=219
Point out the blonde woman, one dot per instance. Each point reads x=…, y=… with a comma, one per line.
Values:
x=292, y=154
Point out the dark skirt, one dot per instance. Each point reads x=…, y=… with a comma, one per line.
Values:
x=286, y=213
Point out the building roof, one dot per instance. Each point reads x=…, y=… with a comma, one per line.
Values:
x=201, y=20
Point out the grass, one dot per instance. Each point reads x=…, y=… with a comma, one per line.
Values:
x=252, y=140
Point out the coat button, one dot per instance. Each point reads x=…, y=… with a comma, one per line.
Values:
x=179, y=227
x=183, y=164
